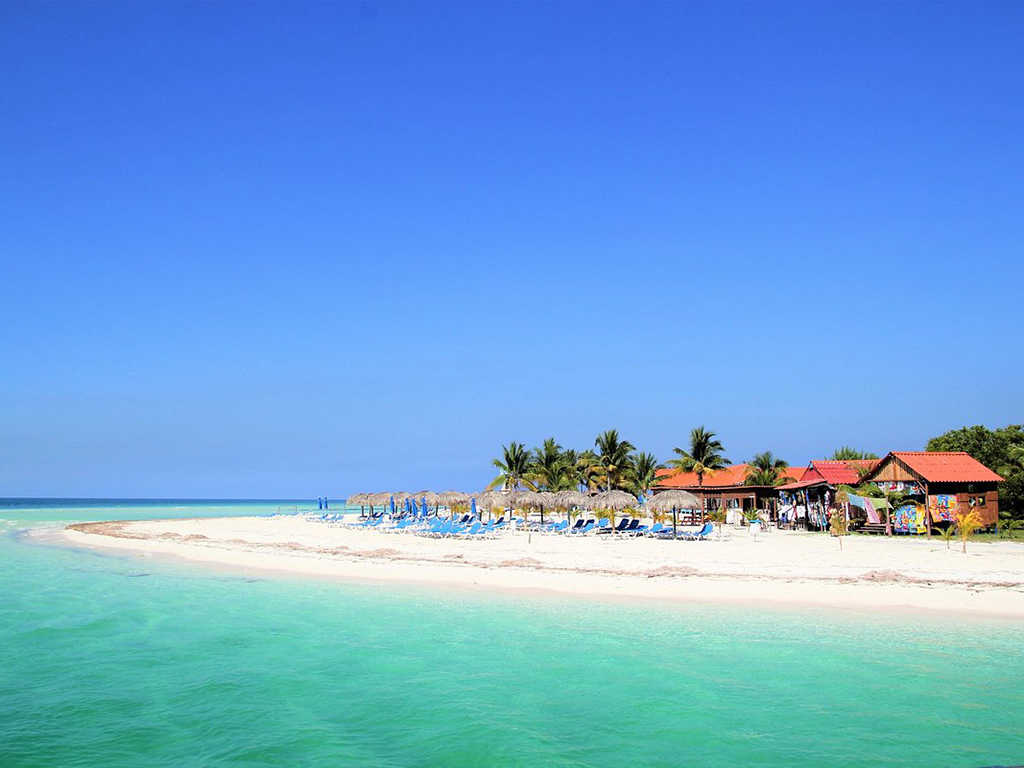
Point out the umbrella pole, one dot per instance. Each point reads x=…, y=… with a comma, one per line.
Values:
x=673, y=522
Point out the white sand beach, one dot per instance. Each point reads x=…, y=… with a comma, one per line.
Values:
x=870, y=573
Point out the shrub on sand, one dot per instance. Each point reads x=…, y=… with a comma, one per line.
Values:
x=966, y=524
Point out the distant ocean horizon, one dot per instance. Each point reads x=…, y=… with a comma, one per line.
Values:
x=125, y=661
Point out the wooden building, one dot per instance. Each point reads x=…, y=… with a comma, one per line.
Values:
x=726, y=488
x=943, y=482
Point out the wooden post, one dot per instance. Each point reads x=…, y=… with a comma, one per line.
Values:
x=673, y=522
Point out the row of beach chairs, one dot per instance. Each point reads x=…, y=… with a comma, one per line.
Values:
x=626, y=528
x=470, y=528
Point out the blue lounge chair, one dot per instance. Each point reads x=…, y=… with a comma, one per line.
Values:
x=624, y=523
x=633, y=528
x=700, y=535
x=454, y=529
x=495, y=528
x=655, y=530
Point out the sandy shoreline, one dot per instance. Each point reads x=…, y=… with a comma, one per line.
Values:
x=871, y=573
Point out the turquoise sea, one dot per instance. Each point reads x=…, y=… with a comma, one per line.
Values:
x=133, y=662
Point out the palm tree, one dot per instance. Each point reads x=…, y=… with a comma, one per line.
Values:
x=613, y=456
x=846, y=453
x=704, y=457
x=1015, y=453
x=515, y=468
x=589, y=474
x=643, y=473
x=549, y=465
x=766, y=469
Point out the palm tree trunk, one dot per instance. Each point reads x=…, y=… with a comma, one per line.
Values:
x=703, y=501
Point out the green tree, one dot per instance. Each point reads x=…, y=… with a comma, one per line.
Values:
x=846, y=453
x=766, y=469
x=643, y=473
x=515, y=467
x=613, y=455
x=1001, y=450
x=703, y=458
x=588, y=473
x=549, y=467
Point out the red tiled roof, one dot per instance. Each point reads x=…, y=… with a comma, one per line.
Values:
x=838, y=472
x=734, y=474
x=947, y=466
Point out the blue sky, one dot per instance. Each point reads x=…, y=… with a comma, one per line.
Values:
x=284, y=250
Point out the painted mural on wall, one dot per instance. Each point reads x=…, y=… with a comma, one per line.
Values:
x=909, y=519
x=902, y=486
x=943, y=506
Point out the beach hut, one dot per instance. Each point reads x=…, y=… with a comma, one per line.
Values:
x=943, y=483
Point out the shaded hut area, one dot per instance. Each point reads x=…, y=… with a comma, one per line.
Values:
x=726, y=490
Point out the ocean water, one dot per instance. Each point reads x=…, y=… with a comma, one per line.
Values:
x=110, y=661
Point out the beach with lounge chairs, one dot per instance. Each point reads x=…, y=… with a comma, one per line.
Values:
x=592, y=556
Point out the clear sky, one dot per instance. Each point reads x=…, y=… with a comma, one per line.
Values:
x=286, y=250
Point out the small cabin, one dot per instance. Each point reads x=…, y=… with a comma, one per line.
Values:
x=943, y=482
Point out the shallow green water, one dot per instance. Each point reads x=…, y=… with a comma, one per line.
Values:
x=133, y=662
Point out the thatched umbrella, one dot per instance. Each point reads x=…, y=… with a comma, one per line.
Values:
x=522, y=499
x=673, y=501
x=525, y=500
x=357, y=498
x=666, y=501
x=614, y=500
x=546, y=500
x=570, y=499
x=490, y=500
x=371, y=500
x=451, y=498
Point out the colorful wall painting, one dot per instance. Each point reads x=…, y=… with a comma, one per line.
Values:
x=891, y=486
x=909, y=518
x=943, y=506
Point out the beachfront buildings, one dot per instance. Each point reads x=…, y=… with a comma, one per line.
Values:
x=936, y=487
x=804, y=503
x=726, y=488
x=941, y=483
